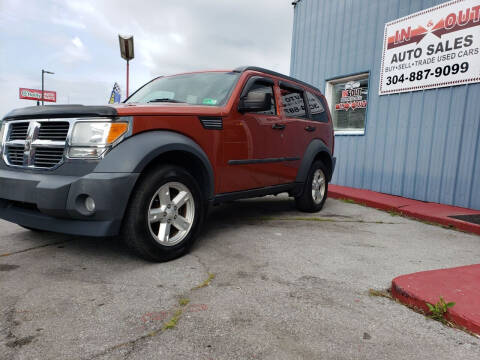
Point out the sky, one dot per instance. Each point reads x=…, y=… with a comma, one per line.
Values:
x=78, y=41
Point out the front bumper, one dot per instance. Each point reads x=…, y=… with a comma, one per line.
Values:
x=55, y=202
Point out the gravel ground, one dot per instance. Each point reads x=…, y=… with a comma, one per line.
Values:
x=263, y=282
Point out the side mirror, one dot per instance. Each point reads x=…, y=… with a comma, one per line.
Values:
x=255, y=101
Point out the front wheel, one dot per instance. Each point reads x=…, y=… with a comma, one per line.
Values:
x=164, y=214
x=315, y=189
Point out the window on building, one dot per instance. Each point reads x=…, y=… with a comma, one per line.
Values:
x=348, y=98
x=293, y=104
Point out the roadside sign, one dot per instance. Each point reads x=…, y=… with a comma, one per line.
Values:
x=33, y=94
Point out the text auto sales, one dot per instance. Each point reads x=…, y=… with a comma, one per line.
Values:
x=437, y=50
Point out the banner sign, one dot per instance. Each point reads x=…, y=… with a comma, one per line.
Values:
x=33, y=94
x=353, y=97
x=436, y=47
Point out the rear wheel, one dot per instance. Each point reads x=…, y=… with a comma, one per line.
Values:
x=315, y=189
x=164, y=214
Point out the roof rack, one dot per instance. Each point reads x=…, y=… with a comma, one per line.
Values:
x=274, y=73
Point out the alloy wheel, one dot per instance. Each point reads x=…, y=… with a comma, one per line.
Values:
x=171, y=213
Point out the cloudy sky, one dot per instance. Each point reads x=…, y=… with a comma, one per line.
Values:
x=78, y=40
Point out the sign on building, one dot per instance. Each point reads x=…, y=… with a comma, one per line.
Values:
x=33, y=94
x=435, y=47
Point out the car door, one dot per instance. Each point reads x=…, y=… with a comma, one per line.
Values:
x=299, y=130
x=252, y=143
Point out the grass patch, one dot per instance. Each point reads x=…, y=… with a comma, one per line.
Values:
x=206, y=282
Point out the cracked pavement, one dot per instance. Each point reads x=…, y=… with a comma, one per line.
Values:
x=288, y=285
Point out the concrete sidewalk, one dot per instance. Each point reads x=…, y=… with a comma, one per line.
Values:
x=433, y=212
x=460, y=285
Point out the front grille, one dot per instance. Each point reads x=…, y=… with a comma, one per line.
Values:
x=56, y=131
x=18, y=131
x=42, y=141
x=47, y=157
x=15, y=155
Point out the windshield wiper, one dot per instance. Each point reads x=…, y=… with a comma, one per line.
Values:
x=165, y=100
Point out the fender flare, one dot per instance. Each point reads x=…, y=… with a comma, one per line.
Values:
x=135, y=153
x=315, y=147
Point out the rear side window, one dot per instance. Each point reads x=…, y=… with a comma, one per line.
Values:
x=317, y=108
x=293, y=104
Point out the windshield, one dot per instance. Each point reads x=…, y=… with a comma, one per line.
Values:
x=209, y=88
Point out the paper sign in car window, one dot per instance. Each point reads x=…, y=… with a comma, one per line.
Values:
x=208, y=101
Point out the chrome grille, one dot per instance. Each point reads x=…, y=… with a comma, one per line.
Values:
x=35, y=143
x=57, y=131
x=47, y=157
x=15, y=155
x=18, y=131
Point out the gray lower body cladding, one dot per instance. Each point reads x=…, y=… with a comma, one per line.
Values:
x=56, y=202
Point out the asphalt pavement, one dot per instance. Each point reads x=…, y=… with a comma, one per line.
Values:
x=262, y=282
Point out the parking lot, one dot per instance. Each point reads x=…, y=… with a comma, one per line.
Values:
x=263, y=282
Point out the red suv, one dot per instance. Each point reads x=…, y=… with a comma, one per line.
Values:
x=149, y=169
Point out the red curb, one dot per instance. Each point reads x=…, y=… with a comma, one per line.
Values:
x=460, y=285
x=428, y=211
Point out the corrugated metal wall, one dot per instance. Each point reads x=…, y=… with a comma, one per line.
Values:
x=423, y=145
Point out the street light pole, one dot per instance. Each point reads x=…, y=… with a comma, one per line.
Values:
x=126, y=51
x=43, y=81
x=128, y=75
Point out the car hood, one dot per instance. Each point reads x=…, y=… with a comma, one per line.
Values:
x=64, y=111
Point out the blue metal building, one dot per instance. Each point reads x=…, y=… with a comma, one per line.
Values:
x=423, y=145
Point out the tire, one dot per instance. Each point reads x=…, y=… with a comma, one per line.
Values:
x=314, y=194
x=154, y=227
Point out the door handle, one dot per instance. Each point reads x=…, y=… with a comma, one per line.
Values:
x=310, y=128
x=278, y=126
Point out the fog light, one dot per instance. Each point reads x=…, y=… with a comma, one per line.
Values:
x=90, y=204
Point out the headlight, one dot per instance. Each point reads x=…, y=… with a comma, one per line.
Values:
x=90, y=139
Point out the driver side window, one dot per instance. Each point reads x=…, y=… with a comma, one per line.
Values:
x=260, y=87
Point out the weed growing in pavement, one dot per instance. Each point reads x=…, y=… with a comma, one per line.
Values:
x=380, y=293
x=206, y=282
x=348, y=201
x=174, y=320
x=183, y=301
x=438, y=311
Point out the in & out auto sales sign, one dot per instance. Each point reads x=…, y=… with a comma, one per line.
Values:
x=436, y=47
